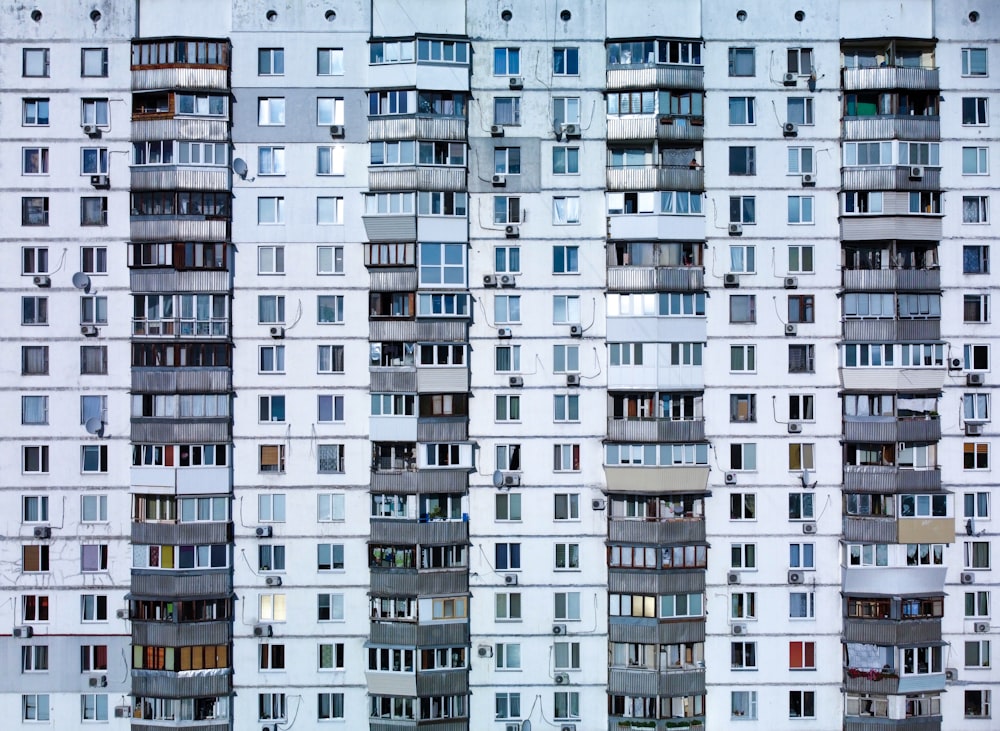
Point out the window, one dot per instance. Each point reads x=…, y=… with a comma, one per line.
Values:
x=330, y=160
x=94, y=212
x=270, y=160
x=977, y=554
x=270, y=61
x=34, y=360
x=742, y=308
x=95, y=111
x=801, y=556
x=800, y=61
x=743, y=457
x=93, y=310
x=743, y=358
x=271, y=508
x=977, y=604
x=743, y=506
x=743, y=555
x=35, y=509
x=506, y=209
x=977, y=704
x=974, y=111
x=800, y=209
x=743, y=605
x=741, y=62
x=270, y=260
x=271, y=111
x=508, y=606
x=565, y=309
x=800, y=457
x=743, y=705
x=566, y=407
x=35, y=608
x=976, y=308
x=977, y=654
x=800, y=259
x=329, y=706
x=507, y=705
x=566, y=705
x=507, y=110
x=800, y=110
x=801, y=406
x=35, y=161
x=565, y=160
x=567, y=605
x=506, y=308
x=508, y=507
x=330, y=458
x=329, y=260
x=442, y=263
x=742, y=407
x=34, y=409
x=35, y=112
x=801, y=704
x=565, y=110
x=270, y=557
x=270, y=210
x=35, y=658
x=801, y=308
x=330, y=358
x=741, y=110
x=35, y=459
x=330, y=557
x=507, y=161
x=272, y=360
x=330, y=62
x=36, y=62
x=329, y=111
x=566, y=62
x=566, y=506
x=507, y=259
x=94, y=607
x=508, y=408
x=35, y=211
x=330, y=607
x=801, y=605
x=976, y=455
x=94, y=62
x=94, y=458
x=742, y=209
x=976, y=259
x=565, y=210
x=329, y=408
x=975, y=161
x=566, y=358
x=800, y=160
x=975, y=208
x=976, y=505
x=507, y=655
x=329, y=211
x=331, y=656
x=566, y=458
x=506, y=61
x=271, y=706
x=743, y=655
x=742, y=160
x=271, y=408
x=977, y=357
x=93, y=360
x=974, y=62
x=94, y=259
x=507, y=358
x=93, y=557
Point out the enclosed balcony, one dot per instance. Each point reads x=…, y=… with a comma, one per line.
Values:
x=425, y=532
x=876, y=479
x=418, y=127
x=877, y=78
x=655, y=177
x=889, y=632
x=630, y=682
x=889, y=280
x=655, y=430
x=188, y=63
x=655, y=63
x=891, y=429
x=663, y=127
x=891, y=330
x=892, y=126
x=657, y=531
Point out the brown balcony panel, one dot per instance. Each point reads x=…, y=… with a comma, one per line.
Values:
x=655, y=279
x=871, y=530
x=655, y=76
x=892, y=126
x=887, y=632
x=432, y=533
x=407, y=178
x=882, y=280
x=657, y=532
x=656, y=430
x=420, y=482
x=414, y=127
x=880, y=331
x=889, y=78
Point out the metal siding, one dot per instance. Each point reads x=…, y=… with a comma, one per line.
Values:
x=417, y=128
x=656, y=430
x=433, y=533
x=422, y=331
x=392, y=280
x=181, y=431
x=655, y=177
x=887, y=632
x=870, y=530
x=393, y=380
x=169, y=280
x=644, y=581
x=420, y=482
x=881, y=331
x=890, y=77
x=655, y=279
x=393, y=633
x=650, y=76
x=182, y=129
x=882, y=280
x=443, y=682
x=892, y=126
x=170, y=634
x=656, y=480
x=632, y=682
x=385, y=178
x=409, y=582
x=169, y=177
x=189, y=78
x=391, y=228
x=167, y=584
x=893, y=379
x=889, y=479
x=182, y=380
x=930, y=723
x=889, y=177
x=657, y=532
x=388, y=683
x=443, y=429
x=174, y=534
x=442, y=379
x=162, y=684
x=161, y=229
x=624, y=129
x=892, y=430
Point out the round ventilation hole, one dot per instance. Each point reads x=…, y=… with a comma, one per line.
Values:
x=565, y=15
x=272, y=15
x=36, y=15
x=506, y=15
x=741, y=15
x=95, y=15
x=330, y=15
x=973, y=16
x=800, y=15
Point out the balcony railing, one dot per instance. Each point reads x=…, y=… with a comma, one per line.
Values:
x=890, y=177
x=656, y=127
x=657, y=532
x=655, y=177
x=881, y=331
x=889, y=632
x=887, y=480
x=417, y=127
x=889, y=429
x=637, y=278
x=892, y=127
x=655, y=76
x=871, y=529
x=890, y=78
x=656, y=430
x=882, y=280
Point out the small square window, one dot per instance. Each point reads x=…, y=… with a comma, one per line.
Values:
x=975, y=161
x=271, y=111
x=330, y=62
x=742, y=160
x=329, y=111
x=975, y=209
x=94, y=211
x=800, y=209
x=329, y=260
x=35, y=112
x=35, y=161
x=565, y=160
x=506, y=61
x=975, y=111
x=742, y=209
x=741, y=62
x=800, y=110
x=974, y=62
x=270, y=61
x=35, y=62
x=742, y=308
x=741, y=110
x=566, y=62
x=94, y=62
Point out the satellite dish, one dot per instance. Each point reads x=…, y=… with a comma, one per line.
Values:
x=805, y=478
x=497, y=478
x=81, y=281
x=94, y=425
x=240, y=167
x=526, y=725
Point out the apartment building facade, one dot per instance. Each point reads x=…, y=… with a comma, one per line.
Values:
x=595, y=365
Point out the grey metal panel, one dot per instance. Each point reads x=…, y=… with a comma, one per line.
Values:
x=409, y=582
x=624, y=129
x=882, y=280
x=650, y=76
x=162, y=228
x=682, y=682
x=892, y=430
x=890, y=77
x=420, y=482
x=886, y=480
x=220, y=726
x=171, y=280
x=918, y=430
x=427, y=331
x=645, y=581
x=204, y=130
x=449, y=725
x=887, y=632
x=889, y=177
x=180, y=77
x=171, y=634
x=671, y=632
x=871, y=530
x=655, y=279
x=656, y=430
x=417, y=128
x=655, y=177
x=872, y=228
x=651, y=632
x=443, y=682
x=181, y=431
x=433, y=533
x=393, y=633
x=162, y=684
x=391, y=228
x=393, y=280
x=182, y=380
x=443, y=429
x=448, y=634
x=174, y=534
x=432, y=379
x=880, y=331
x=919, y=480
x=892, y=126
x=632, y=682
x=393, y=380
x=657, y=532
x=885, y=686
x=416, y=178
x=169, y=177
x=927, y=723
x=166, y=584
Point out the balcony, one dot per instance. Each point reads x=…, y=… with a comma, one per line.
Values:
x=187, y=228
x=190, y=584
x=423, y=533
x=393, y=379
x=176, y=177
x=914, y=227
x=870, y=530
x=657, y=532
x=656, y=430
x=181, y=128
x=656, y=127
x=410, y=177
x=175, y=534
x=655, y=279
x=651, y=631
x=890, y=429
x=181, y=634
x=893, y=379
x=412, y=331
x=924, y=723
x=651, y=581
x=413, y=634
x=411, y=582
x=888, y=480
x=890, y=78
x=417, y=127
x=182, y=380
x=888, y=280
x=889, y=177
x=655, y=177
x=202, y=78
x=651, y=682
x=657, y=480
x=673, y=724
x=391, y=227
x=181, y=431
x=168, y=281
x=892, y=127
x=190, y=684
x=442, y=429
x=889, y=632
x=640, y=76
x=419, y=482
x=890, y=581
x=882, y=331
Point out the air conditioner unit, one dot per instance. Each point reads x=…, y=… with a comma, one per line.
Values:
x=973, y=430
x=950, y=674
x=42, y=531
x=573, y=379
x=571, y=130
x=796, y=577
x=496, y=130
x=499, y=181
x=513, y=727
x=791, y=329
x=263, y=630
x=511, y=480
x=733, y=577
x=277, y=332
x=89, y=330
x=515, y=381
x=507, y=280
x=791, y=282
x=790, y=129
x=559, y=629
x=808, y=179
x=484, y=651
x=568, y=727
x=510, y=579
x=981, y=627
x=954, y=364
x=336, y=130
x=794, y=427
x=91, y=130
x=598, y=504
x=967, y=577
x=122, y=614
x=264, y=531
x=576, y=331
x=561, y=678
x=512, y=232
x=489, y=280
x=735, y=229
x=916, y=172
x=809, y=528
x=42, y=281
x=790, y=80
x=273, y=581
x=516, y=82
x=731, y=280
x=100, y=181
x=504, y=333
x=739, y=629
x=975, y=379
x=23, y=632
x=123, y=712
x=730, y=478
x=98, y=682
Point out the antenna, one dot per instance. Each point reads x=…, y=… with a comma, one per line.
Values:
x=95, y=425
x=81, y=281
x=498, y=479
x=240, y=167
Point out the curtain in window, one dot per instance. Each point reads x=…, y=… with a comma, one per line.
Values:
x=34, y=409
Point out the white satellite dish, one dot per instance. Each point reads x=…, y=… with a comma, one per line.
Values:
x=81, y=281
x=240, y=167
x=498, y=479
x=94, y=425
x=526, y=724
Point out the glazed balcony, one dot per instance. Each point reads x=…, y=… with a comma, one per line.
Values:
x=638, y=278
x=656, y=430
x=417, y=127
x=657, y=532
x=648, y=127
x=888, y=280
x=642, y=76
x=416, y=177
x=890, y=78
x=655, y=177
x=892, y=127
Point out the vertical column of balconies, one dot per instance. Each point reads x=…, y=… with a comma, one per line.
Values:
x=180, y=263
x=417, y=227
x=656, y=453
x=898, y=521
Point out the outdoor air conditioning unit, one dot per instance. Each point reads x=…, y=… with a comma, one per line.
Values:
x=336, y=130
x=22, y=632
x=973, y=430
x=273, y=581
x=571, y=130
x=100, y=181
x=975, y=379
x=573, y=379
x=731, y=280
x=516, y=381
x=559, y=629
x=809, y=528
x=496, y=130
x=735, y=229
x=504, y=333
x=89, y=330
x=499, y=181
x=796, y=577
x=277, y=332
x=733, y=577
x=568, y=727
x=489, y=280
x=808, y=179
x=730, y=478
x=739, y=629
x=791, y=282
x=598, y=504
x=516, y=726
x=789, y=80
x=92, y=130
x=954, y=364
x=123, y=712
x=967, y=577
x=950, y=674
x=122, y=614
x=484, y=651
x=512, y=231
x=981, y=627
x=507, y=280
x=98, y=682
x=263, y=630
x=42, y=281
x=794, y=427
x=516, y=82
x=916, y=172
x=576, y=331
x=790, y=129
x=42, y=531
x=510, y=579
x=561, y=678
x=511, y=480
x=264, y=531
x=791, y=329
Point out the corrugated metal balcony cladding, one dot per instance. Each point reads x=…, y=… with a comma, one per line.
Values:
x=881, y=331
x=170, y=177
x=882, y=280
x=892, y=127
x=652, y=581
x=181, y=129
x=416, y=178
x=175, y=534
x=451, y=634
x=431, y=533
x=182, y=380
x=442, y=682
x=161, y=228
x=887, y=632
x=171, y=634
x=417, y=128
x=651, y=631
x=648, y=76
x=889, y=78
x=655, y=279
x=656, y=430
x=657, y=532
x=155, y=281
x=420, y=482
x=405, y=582
x=181, y=431
x=179, y=585
x=193, y=78
x=418, y=331
x=651, y=683
x=162, y=684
